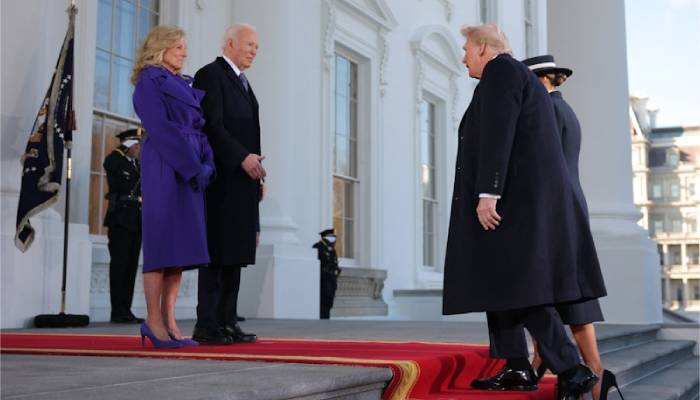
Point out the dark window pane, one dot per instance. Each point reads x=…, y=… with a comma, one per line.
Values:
x=104, y=24
x=125, y=29
x=96, y=156
x=122, y=87
x=341, y=156
x=349, y=200
x=338, y=198
x=349, y=239
x=352, y=167
x=95, y=200
x=102, y=80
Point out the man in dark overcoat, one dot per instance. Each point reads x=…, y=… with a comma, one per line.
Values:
x=123, y=222
x=518, y=237
x=233, y=128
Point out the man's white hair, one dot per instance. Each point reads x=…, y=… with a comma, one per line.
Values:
x=233, y=30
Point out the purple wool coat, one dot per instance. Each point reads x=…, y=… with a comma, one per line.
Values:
x=177, y=164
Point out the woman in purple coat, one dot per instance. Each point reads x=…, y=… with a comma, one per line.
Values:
x=176, y=167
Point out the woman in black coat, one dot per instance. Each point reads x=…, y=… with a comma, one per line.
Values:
x=581, y=315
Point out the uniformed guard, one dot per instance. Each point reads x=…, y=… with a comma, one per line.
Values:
x=329, y=270
x=123, y=220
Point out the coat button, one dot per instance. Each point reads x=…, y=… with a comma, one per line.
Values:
x=456, y=197
x=461, y=137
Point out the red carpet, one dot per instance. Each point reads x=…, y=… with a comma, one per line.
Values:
x=422, y=370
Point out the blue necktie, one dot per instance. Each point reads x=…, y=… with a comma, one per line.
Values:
x=244, y=81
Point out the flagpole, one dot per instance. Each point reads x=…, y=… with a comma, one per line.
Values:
x=62, y=319
x=69, y=172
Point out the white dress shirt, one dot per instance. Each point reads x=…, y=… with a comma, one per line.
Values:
x=235, y=68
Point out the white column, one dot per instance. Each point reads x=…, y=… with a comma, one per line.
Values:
x=686, y=294
x=667, y=287
x=284, y=283
x=31, y=281
x=684, y=256
x=598, y=93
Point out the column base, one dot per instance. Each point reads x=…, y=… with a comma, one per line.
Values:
x=31, y=281
x=630, y=266
x=100, y=307
x=284, y=283
x=359, y=293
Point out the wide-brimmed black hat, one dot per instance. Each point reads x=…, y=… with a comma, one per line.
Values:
x=542, y=65
x=327, y=232
x=130, y=134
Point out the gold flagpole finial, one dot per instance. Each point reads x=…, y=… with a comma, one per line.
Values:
x=138, y=131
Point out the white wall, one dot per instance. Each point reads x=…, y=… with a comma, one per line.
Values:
x=32, y=33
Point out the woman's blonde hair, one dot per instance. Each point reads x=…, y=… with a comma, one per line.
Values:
x=488, y=34
x=158, y=40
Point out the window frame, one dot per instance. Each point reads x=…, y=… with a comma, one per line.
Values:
x=435, y=200
x=97, y=231
x=360, y=180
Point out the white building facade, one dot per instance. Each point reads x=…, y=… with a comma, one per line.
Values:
x=360, y=101
x=666, y=165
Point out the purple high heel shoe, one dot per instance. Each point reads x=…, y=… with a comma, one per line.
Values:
x=146, y=332
x=183, y=342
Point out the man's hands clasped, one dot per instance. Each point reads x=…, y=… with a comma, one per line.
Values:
x=486, y=212
x=253, y=167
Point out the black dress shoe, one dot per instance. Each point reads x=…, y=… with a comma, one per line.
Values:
x=508, y=379
x=238, y=335
x=239, y=318
x=208, y=337
x=574, y=382
x=125, y=319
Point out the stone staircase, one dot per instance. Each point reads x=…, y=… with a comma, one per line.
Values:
x=651, y=362
x=649, y=368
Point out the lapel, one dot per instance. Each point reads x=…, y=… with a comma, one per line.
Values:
x=178, y=90
x=228, y=71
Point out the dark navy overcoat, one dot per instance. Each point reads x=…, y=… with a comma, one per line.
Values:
x=233, y=128
x=174, y=153
x=509, y=146
x=570, y=134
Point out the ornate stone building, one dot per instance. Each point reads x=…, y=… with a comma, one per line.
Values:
x=666, y=165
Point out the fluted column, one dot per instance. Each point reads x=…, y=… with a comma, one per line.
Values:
x=589, y=37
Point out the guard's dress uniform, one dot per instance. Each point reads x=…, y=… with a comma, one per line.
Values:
x=123, y=219
x=329, y=275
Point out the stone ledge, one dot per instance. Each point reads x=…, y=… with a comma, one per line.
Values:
x=360, y=293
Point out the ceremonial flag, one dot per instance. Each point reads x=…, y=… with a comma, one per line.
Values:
x=42, y=161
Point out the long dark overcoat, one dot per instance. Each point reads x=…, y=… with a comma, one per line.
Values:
x=233, y=128
x=509, y=146
x=174, y=152
x=570, y=134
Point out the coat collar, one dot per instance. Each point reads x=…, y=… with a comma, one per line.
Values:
x=236, y=80
x=170, y=85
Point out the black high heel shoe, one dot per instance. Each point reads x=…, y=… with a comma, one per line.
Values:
x=609, y=380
